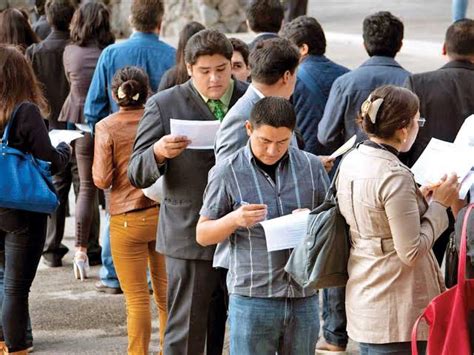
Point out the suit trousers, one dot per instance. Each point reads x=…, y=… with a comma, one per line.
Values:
x=133, y=240
x=197, y=310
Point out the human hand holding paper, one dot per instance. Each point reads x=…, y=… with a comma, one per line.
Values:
x=61, y=135
x=247, y=215
x=170, y=146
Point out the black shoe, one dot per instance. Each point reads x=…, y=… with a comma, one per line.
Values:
x=52, y=261
x=101, y=287
x=94, y=259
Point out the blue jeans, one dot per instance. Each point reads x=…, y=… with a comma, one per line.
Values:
x=265, y=326
x=391, y=348
x=459, y=8
x=334, y=316
x=108, y=276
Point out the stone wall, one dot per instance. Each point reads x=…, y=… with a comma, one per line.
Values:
x=224, y=15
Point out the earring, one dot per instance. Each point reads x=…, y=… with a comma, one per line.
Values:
x=405, y=140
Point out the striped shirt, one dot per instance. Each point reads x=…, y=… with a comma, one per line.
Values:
x=300, y=182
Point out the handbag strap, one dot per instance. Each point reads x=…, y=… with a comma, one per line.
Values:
x=332, y=190
x=463, y=248
x=6, y=132
x=414, y=335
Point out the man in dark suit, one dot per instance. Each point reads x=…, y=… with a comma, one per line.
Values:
x=264, y=18
x=446, y=99
x=195, y=316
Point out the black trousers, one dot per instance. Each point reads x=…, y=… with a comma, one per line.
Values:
x=22, y=236
x=53, y=248
x=295, y=8
x=197, y=308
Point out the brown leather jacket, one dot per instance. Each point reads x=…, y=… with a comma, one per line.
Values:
x=114, y=137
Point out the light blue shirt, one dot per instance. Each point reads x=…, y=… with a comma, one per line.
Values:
x=144, y=50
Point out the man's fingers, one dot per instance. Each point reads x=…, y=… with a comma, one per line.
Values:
x=174, y=139
x=253, y=207
x=176, y=145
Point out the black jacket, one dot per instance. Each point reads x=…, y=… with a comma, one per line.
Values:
x=446, y=100
x=47, y=60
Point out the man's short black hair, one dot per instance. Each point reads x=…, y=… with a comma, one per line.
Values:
x=270, y=59
x=306, y=30
x=59, y=13
x=273, y=111
x=241, y=47
x=383, y=34
x=207, y=42
x=459, y=38
x=265, y=15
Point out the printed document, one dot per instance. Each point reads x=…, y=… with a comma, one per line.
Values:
x=344, y=148
x=84, y=127
x=201, y=133
x=465, y=135
x=62, y=135
x=285, y=232
x=440, y=158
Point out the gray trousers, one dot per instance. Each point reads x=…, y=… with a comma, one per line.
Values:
x=197, y=308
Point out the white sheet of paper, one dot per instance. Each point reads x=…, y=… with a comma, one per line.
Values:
x=344, y=148
x=285, y=232
x=465, y=135
x=84, y=127
x=466, y=185
x=201, y=133
x=439, y=158
x=62, y=135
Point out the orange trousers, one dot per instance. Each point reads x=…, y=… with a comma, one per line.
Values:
x=132, y=240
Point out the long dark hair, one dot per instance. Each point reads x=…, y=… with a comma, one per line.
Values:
x=15, y=29
x=181, y=73
x=18, y=83
x=91, y=23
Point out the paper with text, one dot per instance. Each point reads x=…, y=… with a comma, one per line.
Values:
x=62, y=135
x=285, y=232
x=440, y=158
x=201, y=133
x=465, y=135
x=344, y=148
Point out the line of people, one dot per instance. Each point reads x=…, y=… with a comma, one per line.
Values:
x=270, y=159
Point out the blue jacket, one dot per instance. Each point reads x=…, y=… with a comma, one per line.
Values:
x=144, y=50
x=314, y=80
x=347, y=95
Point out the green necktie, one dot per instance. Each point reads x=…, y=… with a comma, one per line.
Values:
x=217, y=108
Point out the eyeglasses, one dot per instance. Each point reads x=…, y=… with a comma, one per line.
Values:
x=421, y=121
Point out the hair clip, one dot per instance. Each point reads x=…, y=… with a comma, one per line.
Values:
x=120, y=94
x=371, y=108
x=136, y=97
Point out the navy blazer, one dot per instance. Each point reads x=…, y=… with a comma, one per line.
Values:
x=315, y=77
x=347, y=95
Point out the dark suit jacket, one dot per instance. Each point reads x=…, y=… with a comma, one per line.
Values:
x=446, y=100
x=184, y=177
x=47, y=60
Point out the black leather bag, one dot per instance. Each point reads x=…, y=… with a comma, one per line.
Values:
x=321, y=260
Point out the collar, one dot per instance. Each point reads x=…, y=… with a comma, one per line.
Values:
x=258, y=92
x=144, y=35
x=315, y=58
x=460, y=64
x=55, y=34
x=260, y=34
x=381, y=61
x=249, y=154
x=382, y=146
x=225, y=99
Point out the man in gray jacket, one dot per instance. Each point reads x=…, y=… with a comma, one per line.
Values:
x=194, y=315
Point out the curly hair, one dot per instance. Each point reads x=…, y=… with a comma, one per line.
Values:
x=383, y=34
